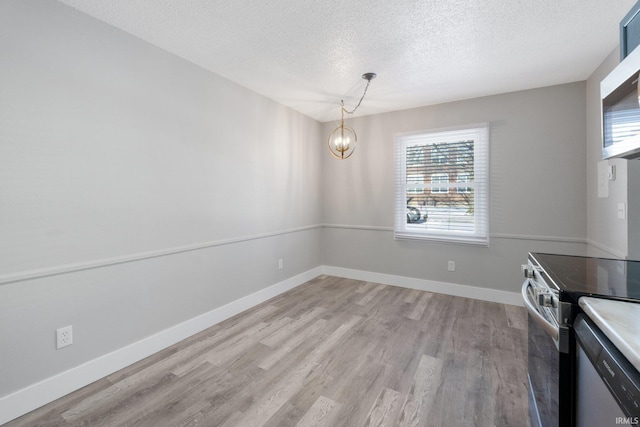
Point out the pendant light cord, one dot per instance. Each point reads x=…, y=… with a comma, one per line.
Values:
x=359, y=102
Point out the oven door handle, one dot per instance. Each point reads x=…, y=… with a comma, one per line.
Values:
x=549, y=328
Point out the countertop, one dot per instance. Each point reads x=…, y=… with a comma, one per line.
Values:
x=619, y=321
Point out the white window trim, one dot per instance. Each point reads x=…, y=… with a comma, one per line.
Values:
x=465, y=189
x=414, y=185
x=440, y=189
x=480, y=235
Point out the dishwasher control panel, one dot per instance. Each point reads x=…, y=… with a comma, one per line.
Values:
x=620, y=376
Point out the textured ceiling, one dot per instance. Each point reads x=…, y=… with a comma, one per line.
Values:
x=310, y=54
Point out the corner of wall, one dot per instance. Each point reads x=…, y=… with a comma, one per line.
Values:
x=606, y=234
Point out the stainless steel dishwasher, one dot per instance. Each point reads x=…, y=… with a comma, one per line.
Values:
x=607, y=384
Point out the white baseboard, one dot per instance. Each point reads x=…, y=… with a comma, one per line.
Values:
x=50, y=389
x=484, y=294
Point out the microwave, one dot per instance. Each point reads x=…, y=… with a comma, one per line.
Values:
x=620, y=93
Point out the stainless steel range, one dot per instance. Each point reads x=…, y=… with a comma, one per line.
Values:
x=553, y=284
x=549, y=345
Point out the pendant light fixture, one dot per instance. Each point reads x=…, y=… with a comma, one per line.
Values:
x=343, y=139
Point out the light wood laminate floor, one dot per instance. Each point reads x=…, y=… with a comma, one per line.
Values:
x=332, y=352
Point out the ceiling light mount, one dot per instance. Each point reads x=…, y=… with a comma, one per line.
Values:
x=342, y=141
x=369, y=76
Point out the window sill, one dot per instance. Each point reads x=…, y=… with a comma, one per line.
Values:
x=462, y=240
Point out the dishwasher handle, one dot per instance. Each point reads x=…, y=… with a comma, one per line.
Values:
x=549, y=328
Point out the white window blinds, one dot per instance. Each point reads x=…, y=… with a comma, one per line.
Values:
x=442, y=185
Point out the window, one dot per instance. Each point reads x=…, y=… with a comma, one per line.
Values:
x=439, y=178
x=415, y=179
x=464, y=177
x=446, y=173
x=439, y=153
x=415, y=155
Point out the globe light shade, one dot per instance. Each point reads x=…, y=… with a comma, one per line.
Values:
x=342, y=142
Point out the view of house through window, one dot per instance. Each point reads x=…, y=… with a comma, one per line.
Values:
x=442, y=188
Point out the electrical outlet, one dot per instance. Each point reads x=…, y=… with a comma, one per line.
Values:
x=451, y=266
x=64, y=337
x=280, y=264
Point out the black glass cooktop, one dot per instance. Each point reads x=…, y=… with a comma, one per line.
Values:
x=576, y=276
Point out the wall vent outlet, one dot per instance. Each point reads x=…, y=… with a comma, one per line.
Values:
x=64, y=337
x=451, y=266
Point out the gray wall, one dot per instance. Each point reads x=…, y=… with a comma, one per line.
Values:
x=137, y=189
x=538, y=189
